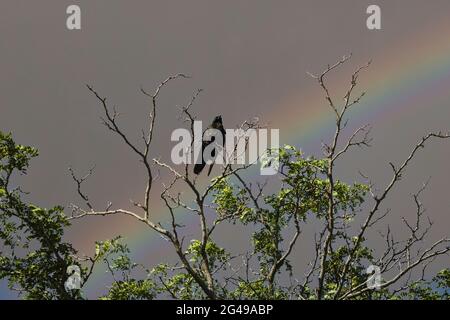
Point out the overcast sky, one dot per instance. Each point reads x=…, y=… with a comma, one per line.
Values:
x=250, y=57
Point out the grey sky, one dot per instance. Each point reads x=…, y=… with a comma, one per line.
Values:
x=248, y=56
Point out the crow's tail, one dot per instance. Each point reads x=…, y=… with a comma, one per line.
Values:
x=199, y=167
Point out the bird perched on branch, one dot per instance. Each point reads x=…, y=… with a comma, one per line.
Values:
x=206, y=141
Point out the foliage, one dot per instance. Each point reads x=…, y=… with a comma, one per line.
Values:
x=34, y=257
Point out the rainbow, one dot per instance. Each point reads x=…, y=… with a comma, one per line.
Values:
x=417, y=68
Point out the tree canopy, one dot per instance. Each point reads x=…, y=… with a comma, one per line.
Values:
x=35, y=259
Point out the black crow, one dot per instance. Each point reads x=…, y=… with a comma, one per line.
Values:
x=216, y=124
